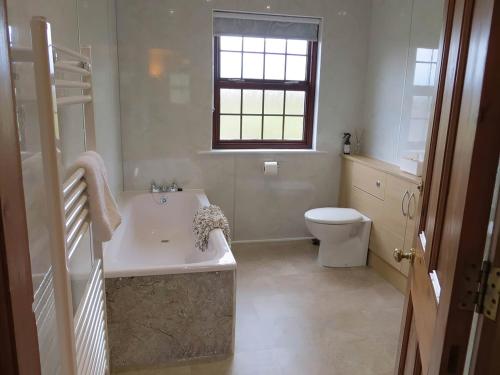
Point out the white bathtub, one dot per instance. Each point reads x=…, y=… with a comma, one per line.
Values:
x=157, y=239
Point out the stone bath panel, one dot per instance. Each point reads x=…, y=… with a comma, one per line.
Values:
x=155, y=320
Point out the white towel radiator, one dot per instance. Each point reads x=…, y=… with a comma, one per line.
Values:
x=82, y=335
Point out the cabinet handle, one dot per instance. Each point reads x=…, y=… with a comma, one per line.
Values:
x=403, y=203
x=377, y=183
x=410, y=215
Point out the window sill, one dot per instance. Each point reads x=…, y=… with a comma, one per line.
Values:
x=262, y=151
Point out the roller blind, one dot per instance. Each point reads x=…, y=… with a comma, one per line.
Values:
x=266, y=26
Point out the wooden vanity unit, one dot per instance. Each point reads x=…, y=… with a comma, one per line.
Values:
x=390, y=198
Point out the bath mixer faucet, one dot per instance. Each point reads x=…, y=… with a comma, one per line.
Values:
x=172, y=188
x=164, y=188
x=155, y=188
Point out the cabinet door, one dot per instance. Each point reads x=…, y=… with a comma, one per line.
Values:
x=397, y=196
x=411, y=223
x=387, y=231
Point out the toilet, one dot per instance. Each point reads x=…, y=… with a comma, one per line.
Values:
x=343, y=235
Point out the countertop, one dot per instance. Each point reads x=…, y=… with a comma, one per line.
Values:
x=384, y=167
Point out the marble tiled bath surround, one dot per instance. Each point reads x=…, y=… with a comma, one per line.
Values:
x=154, y=320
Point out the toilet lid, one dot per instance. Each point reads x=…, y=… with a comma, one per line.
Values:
x=333, y=215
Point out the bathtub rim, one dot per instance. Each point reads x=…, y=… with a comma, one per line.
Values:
x=225, y=262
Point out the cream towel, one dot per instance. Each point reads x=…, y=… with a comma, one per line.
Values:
x=103, y=208
x=206, y=220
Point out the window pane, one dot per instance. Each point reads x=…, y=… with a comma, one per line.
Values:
x=229, y=127
x=253, y=64
x=252, y=101
x=435, y=55
x=275, y=67
x=296, y=68
x=251, y=127
x=432, y=77
x=230, y=64
x=424, y=54
x=253, y=44
x=294, y=128
x=422, y=74
x=230, y=43
x=273, y=102
x=275, y=45
x=294, y=104
x=230, y=101
x=273, y=127
x=420, y=106
x=297, y=46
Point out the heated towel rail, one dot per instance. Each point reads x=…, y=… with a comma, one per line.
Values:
x=82, y=335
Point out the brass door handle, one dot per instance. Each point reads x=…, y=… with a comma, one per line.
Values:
x=399, y=255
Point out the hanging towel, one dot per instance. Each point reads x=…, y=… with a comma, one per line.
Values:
x=103, y=208
x=206, y=220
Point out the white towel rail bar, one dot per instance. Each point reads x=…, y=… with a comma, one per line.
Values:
x=72, y=84
x=82, y=315
x=71, y=53
x=73, y=180
x=79, y=99
x=73, y=214
x=76, y=227
x=82, y=337
x=74, y=196
x=71, y=68
x=90, y=330
x=47, y=118
x=76, y=63
x=77, y=240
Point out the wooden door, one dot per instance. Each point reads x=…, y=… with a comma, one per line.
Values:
x=461, y=162
x=18, y=336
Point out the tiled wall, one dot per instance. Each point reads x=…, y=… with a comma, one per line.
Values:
x=167, y=117
x=97, y=23
x=395, y=110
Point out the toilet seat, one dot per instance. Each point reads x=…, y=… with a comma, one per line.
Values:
x=333, y=215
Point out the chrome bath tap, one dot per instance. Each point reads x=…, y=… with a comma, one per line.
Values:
x=172, y=188
x=159, y=188
x=155, y=188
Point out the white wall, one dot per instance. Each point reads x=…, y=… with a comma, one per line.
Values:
x=386, y=70
x=395, y=111
x=162, y=138
x=97, y=21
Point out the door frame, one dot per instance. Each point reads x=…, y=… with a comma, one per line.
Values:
x=485, y=359
x=19, y=339
x=466, y=209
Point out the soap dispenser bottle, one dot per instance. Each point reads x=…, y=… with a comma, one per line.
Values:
x=347, y=143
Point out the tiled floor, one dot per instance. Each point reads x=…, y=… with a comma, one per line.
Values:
x=296, y=318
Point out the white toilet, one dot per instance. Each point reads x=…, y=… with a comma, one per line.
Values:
x=343, y=235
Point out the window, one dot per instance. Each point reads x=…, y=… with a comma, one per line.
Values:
x=263, y=90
